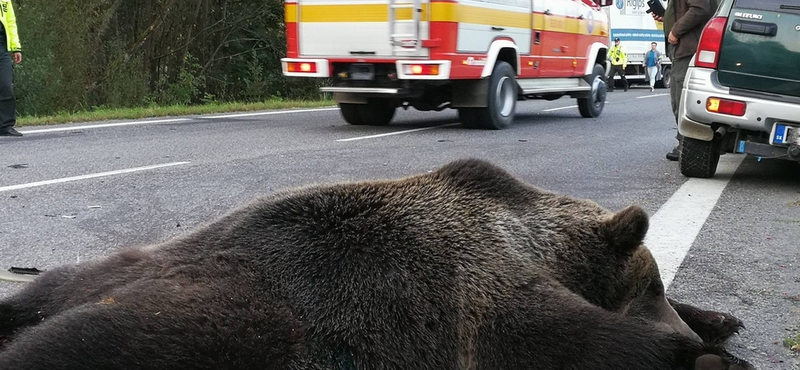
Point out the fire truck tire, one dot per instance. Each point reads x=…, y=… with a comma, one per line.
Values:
x=592, y=106
x=351, y=113
x=666, y=79
x=502, y=102
x=377, y=112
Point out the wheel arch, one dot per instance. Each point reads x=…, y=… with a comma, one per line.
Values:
x=501, y=50
x=597, y=53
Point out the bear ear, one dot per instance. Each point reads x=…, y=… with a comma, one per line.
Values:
x=627, y=228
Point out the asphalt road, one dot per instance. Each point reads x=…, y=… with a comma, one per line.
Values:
x=65, y=195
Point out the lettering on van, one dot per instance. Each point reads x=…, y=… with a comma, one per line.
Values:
x=632, y=7
x=748, y=15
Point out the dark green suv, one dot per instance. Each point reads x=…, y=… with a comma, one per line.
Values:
x=742, y=90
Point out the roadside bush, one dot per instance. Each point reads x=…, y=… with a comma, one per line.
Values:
x=115, y=53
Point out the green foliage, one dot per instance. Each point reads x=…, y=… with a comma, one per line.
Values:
x=792, y=342
x=117, y=54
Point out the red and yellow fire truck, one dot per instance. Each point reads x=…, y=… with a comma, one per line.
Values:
x=477, y=56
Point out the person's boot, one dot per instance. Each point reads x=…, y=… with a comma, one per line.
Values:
x=10, y=132
x=673, y=155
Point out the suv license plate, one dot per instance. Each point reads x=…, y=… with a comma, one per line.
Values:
x=783, y=134
x=362, y=72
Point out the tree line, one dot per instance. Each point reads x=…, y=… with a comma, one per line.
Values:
x=79, y=55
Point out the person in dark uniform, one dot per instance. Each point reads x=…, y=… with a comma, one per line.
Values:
x=12, y=54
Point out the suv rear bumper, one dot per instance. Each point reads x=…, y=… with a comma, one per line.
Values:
x=695, y=121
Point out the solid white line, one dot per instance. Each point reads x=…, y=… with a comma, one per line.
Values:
x=17, y=278
x=651, y=96
x=562, y=108
x=89, y=176
x=272, y=113
x=677, y=223
x=73, y=128
x=396, y=133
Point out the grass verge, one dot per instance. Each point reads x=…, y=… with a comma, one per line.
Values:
x=792, y=342
x=104, y=114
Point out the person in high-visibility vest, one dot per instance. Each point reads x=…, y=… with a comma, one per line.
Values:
x=619, y=60
x=12, y=51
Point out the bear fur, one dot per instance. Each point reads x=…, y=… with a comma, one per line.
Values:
x=465, y=267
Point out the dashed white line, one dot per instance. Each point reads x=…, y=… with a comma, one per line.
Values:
x=396, y=133
x=561, y=108
x=677, y=223
x=272, y=113
x=89, y=176
x=650, y=96
x=74, y=128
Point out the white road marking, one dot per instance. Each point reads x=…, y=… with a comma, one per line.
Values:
x=569, y=107
x=89, y=176
x=561, y=108
x=677, y=223
x=75, y=128
x=17, y=278
x=651, y=96
x=272, y=113
x=396, y=133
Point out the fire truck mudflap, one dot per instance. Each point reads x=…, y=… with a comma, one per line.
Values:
x=477, y=56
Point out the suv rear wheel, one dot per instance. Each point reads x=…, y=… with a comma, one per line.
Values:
x=698, y=158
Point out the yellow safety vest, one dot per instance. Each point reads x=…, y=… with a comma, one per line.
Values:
x=617, y=56
x=10, y=24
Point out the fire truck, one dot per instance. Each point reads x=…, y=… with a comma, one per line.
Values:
x=479, y=57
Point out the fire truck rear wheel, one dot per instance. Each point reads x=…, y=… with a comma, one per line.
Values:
x=377, y=112
x=592, y=106
x=502, y=102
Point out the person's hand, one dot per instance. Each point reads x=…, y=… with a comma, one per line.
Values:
x=672, y=39
x=17, y=57
x=656, y=17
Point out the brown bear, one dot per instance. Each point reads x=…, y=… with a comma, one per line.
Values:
x=465, y=267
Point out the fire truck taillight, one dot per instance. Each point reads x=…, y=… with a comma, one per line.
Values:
x=421, y=69
x=302, y=67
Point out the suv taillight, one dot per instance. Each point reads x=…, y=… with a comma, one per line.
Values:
x=710, y=42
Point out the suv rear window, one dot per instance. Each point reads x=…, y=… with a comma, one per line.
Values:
x=781, y=6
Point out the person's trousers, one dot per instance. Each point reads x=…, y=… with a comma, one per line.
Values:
x=8, y=105
x=617, y=69
x=653, y=73
x=678, y=75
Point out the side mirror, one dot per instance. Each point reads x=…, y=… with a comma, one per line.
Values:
x=604, y=2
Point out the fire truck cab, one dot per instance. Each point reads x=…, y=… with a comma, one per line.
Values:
x=477, y=56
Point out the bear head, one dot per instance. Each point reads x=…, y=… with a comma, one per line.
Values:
x=643, y=294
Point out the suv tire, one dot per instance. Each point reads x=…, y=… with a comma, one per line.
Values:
x=698, y=158
x=502, y=102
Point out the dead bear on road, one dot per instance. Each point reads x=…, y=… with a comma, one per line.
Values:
x=465, y=267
